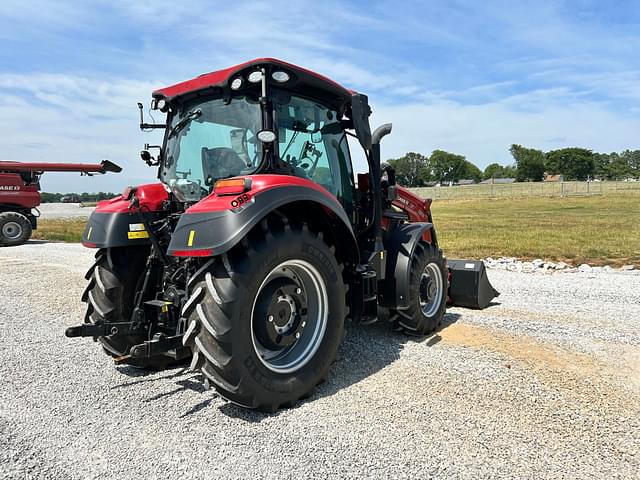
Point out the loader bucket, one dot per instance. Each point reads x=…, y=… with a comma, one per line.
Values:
x=468, y=284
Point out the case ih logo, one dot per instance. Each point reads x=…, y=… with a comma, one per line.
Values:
x=9, y=187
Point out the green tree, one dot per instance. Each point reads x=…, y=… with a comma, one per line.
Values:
x=601, y=163
x=573, y=163
x=447, y=167
x=632, y=159
x=411, y=169
x=529, y=163
x=472, y=172
x=493, y=170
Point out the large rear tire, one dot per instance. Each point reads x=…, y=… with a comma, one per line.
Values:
x=427, y=293
x=110, y=296
x=266, y=319
x=15, y=229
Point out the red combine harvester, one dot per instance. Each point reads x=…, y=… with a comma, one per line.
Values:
x=257, y=244
x=20, y=194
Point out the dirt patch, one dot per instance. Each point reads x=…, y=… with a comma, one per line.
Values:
x=549, y=361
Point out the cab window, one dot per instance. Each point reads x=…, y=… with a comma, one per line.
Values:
x=312, y=145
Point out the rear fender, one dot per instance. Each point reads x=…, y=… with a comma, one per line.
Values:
x=400, y=244
x=214, y=232
x=114, y=224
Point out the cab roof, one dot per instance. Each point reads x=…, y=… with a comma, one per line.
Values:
x=302, y=80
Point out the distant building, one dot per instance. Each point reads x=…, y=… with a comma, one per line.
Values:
x=490, y=181
x=465, y=181
x=73, y=198
x=553, y=178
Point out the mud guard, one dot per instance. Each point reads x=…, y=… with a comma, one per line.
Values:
x=218, y=231
x=469, y=285
x=104, y=230
x=400, y=244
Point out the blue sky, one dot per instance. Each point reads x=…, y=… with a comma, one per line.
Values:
x=465, y=76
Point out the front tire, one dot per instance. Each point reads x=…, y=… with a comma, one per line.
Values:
x=266, y=319
x=427, y=293
x=15, y=229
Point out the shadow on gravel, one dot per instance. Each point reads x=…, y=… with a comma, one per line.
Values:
x=37, y=242
x=135, y=372
x=365, y=350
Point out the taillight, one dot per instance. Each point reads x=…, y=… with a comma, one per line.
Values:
x=202, y=252
x=232, y=186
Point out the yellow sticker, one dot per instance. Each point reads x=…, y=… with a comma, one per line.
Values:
x=135, y=235
x=89, y=233
x=192, y=234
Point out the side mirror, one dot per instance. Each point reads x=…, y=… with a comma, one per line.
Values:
x=146, y=157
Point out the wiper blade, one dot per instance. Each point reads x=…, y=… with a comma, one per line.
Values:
x=183, y=123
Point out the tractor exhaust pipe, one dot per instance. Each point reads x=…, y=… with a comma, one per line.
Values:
x=376, y=138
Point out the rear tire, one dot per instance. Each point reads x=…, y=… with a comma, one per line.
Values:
x=427, y=293
x=110, y=297
x=15, y=229
x=265, y=320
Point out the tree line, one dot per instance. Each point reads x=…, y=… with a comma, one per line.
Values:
x=416, y=170
x=47, y=197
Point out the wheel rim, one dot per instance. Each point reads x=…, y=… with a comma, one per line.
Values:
x=289, y=316
x=431, y=290
x=12, y=230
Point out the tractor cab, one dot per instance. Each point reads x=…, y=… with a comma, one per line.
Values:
x=261, y=117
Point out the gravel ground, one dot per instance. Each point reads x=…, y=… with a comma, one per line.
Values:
x=544, y=384
x=49, y=211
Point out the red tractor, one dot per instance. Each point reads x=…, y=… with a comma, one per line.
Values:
x=257, y=244
x=20, y=194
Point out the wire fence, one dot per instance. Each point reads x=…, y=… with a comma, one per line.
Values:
x=529, y=189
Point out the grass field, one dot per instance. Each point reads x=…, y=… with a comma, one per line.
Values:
x=596, y=230
x=60, y=229
x=529, y=189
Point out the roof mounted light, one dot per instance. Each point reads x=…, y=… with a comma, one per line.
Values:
x=255, y=77
x=280, y=76
x=236, y=83
x=163, y=105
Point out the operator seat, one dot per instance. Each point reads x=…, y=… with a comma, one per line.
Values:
x=221, y=162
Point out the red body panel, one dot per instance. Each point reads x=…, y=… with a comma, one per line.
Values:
x=13, y=191
x=418, y=209
x=150, y=195
x=259, y=183
x=221, y=77
x=7, y=166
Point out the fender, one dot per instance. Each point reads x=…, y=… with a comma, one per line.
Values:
x=113, y=224
x=400, y=244
x=218, y=223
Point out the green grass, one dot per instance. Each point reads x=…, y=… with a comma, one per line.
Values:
x=596, y=230
x=61, y=230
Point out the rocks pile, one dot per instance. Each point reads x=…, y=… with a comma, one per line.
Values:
x=541, y=266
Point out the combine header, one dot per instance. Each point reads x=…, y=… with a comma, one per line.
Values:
x=257, y=244
x=20, y=194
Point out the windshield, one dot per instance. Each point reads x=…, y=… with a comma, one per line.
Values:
x=209, y=140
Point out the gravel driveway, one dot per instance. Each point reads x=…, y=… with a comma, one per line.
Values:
x=50, y=211
x=546, y=384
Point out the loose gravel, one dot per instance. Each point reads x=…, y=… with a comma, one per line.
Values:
x=51, y=211
x=544, y=384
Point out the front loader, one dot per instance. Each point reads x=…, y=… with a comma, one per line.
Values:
x=257, y=244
